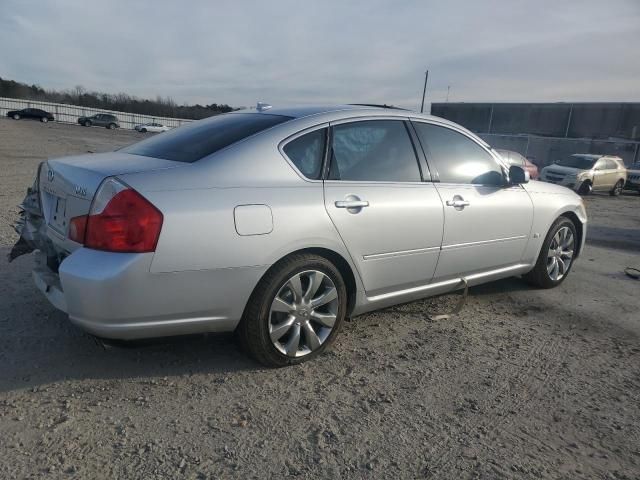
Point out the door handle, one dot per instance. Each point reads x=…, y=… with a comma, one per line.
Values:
x=458, y=203
x=351, y=203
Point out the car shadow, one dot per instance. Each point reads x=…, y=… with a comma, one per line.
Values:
x=614, y=237
x=39, y=346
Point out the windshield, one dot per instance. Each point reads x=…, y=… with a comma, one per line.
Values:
x=199, y=139
x=574, y=161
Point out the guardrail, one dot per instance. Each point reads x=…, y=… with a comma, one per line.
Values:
x=65, y=113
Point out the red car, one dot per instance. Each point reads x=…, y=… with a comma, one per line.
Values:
x=514, y=158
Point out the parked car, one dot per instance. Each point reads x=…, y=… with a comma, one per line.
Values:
x=279, y=224
x=100, y=120
x=585, y=173
x=633, y=177
x=151, y=127
x=514, y=158
x=36, y=113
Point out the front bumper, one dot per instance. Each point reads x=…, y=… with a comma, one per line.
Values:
x=114, y=295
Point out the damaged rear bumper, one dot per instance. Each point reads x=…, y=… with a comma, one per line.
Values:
x=48, y=283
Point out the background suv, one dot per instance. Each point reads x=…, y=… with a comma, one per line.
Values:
x=100, y=120
x=585, y=173
x=633, y=177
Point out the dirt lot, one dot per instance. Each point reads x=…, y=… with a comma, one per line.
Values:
x=523, y=383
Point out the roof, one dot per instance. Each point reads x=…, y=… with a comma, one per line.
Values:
x=307, y=110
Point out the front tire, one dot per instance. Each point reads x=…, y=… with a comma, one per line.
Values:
x=16, y=116
x=617, y=189
x=144, y=130
x=44, y=119
x=87, y=123
x=556, y=256
x=111, y=126
x=585, y=188
x=295, y=311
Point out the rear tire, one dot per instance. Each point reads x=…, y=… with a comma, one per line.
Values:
x=542, y=274
x=617, y=189
x=16, y=116
x=585, y=188
x=308, y=326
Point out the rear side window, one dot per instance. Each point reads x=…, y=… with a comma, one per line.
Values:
x=374, y=151
x=199, y=139
x=306, y=153
x=457, y=158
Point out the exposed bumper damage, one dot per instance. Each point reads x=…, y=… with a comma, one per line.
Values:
x=30, y=226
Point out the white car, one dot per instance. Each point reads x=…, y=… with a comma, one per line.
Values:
x=152, y=127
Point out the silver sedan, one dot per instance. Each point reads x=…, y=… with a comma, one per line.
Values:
x=278, y=224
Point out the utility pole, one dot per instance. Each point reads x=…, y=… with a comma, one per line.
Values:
x=424, y=91
x=448, y=88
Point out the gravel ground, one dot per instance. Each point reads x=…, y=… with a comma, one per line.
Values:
x=523, y=383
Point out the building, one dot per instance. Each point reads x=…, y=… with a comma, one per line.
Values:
x=545, y=131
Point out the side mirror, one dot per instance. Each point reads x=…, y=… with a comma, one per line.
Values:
x=518, y=175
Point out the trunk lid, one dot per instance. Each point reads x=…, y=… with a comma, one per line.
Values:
x=67, y=185
x=64, y=189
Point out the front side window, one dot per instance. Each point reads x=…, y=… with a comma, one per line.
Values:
x=373, y=150
x=457, y=158
x=306, y=152
x=204, y=137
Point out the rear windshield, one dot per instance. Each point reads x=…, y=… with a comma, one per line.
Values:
x=573, y=161
x=199, y=139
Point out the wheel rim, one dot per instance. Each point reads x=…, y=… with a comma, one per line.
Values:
x=303, y=313
x=618, y=188
x=45, y=119
x=16, y=117
x=560, y=253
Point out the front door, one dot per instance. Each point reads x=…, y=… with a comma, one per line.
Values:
x=487, y=223
x=389, y=219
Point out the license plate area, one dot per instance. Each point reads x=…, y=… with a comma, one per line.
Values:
x=58, y=214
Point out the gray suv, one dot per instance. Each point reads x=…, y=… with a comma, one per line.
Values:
x=100, y=120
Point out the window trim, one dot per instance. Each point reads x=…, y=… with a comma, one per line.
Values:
x=295, y=136
x=401, y=119
x=434, y=171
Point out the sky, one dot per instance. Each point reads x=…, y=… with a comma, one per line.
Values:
x=288, y=52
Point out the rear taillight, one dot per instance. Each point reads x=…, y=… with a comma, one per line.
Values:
x=120, y=220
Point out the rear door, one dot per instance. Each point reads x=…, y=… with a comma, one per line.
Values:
x=486, y=222
x=389, y=219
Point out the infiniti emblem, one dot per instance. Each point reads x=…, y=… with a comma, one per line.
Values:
x=50, y=175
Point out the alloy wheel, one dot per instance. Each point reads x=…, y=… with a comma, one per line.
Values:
x=560, y=253
x=303, y=313
x=617, y=190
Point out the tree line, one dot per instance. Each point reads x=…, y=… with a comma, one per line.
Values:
x=121, y=102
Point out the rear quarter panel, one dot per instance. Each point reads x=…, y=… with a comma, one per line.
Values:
x=198, y=205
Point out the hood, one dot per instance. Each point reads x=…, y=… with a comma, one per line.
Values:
x=549, y=188
x=565, y=170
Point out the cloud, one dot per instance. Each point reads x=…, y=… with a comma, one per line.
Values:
x=287, y=52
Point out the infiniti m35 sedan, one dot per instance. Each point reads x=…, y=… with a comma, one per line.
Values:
x=278, y=224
